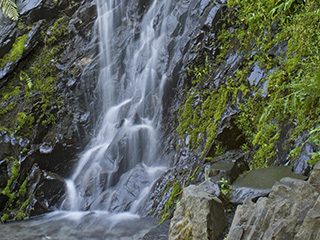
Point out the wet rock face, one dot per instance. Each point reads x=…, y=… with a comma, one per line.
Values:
x=46, y=152
x=190, y=37
x=8, y=33
x=199, y=214
x=46, y=188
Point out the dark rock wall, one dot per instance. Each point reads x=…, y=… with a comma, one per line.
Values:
x=52, y=115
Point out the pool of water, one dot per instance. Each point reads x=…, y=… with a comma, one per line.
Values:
x=62, y=225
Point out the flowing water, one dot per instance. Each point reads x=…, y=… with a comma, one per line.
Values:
x=123, y=160
x=115, y=174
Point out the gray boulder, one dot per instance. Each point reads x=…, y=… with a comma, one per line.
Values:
x=280, y=215
x=310, y=228
x=199, y=214
x=315, y=176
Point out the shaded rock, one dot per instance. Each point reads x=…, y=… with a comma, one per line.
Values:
x=47, y=188
x=277, y=217
x=3, y=201
x=240, y=194
x=310, y=228
x=7, y=36
x=3, y=174
x=300, y=164
x=34, y=10
x=199, y=214
x=160, y=232
x=31, y=42
x=228, y=166
x=164, y=187
x=315, y=176
x=54, y=157
x=258, y=182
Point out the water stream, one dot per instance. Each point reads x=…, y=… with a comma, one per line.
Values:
x=114, y=176
x=122, y=160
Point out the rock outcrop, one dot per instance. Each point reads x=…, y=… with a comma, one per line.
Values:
x=291, y=211
x=199, y=214
x=46, y=113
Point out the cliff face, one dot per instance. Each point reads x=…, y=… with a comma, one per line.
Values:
x=246, y=105
x=47, y=86
x=235, y=93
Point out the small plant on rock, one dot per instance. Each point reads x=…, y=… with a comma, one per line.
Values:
x=226, y=190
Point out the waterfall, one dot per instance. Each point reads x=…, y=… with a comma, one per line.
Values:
x=122, y=161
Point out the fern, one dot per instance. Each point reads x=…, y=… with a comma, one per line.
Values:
x=9, y=8
x=25, y=77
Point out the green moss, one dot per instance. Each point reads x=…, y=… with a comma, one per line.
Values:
x=18, y=202
x=290, y=98
x=293, y=85
x=200, y=117
x=16, y=51
x=23, y=189
x=176, y=192
x=5, y=217
x=24, y=121
x=59, y=29
x=192, y=177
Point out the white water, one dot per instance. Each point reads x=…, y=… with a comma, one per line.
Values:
x=121, y=163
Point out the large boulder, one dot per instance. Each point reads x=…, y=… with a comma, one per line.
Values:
x=310, y=228
x=280, y=215
x=315, y=176
x=199, y=214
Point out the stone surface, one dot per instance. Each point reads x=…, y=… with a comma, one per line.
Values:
x=310, y=228
x=277, y=217
x=258, y=182
x=228, y=166
x=315, y=176
x=159, y=233
x=45, y=188
x=199, y=214
x=240, y=194
x=46, y=153
x=3, y=201
x=300, y=164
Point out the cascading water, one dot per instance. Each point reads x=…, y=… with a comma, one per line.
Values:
x=123, y=160
x=143, y=47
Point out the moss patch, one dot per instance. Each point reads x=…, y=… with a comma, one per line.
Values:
x=283, y=37
x=16, y=51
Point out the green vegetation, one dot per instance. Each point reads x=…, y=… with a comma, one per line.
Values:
x=16, y=51
x=36, y=82
x=59, y=29
x=29, y=99
x=9, y=8
x=14, y=207
x=225, y=189
x=283, y=37
x=200, y=117
x=176, y=192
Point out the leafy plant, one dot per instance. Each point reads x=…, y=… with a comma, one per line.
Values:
x=9, y=8
x=225, y=188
